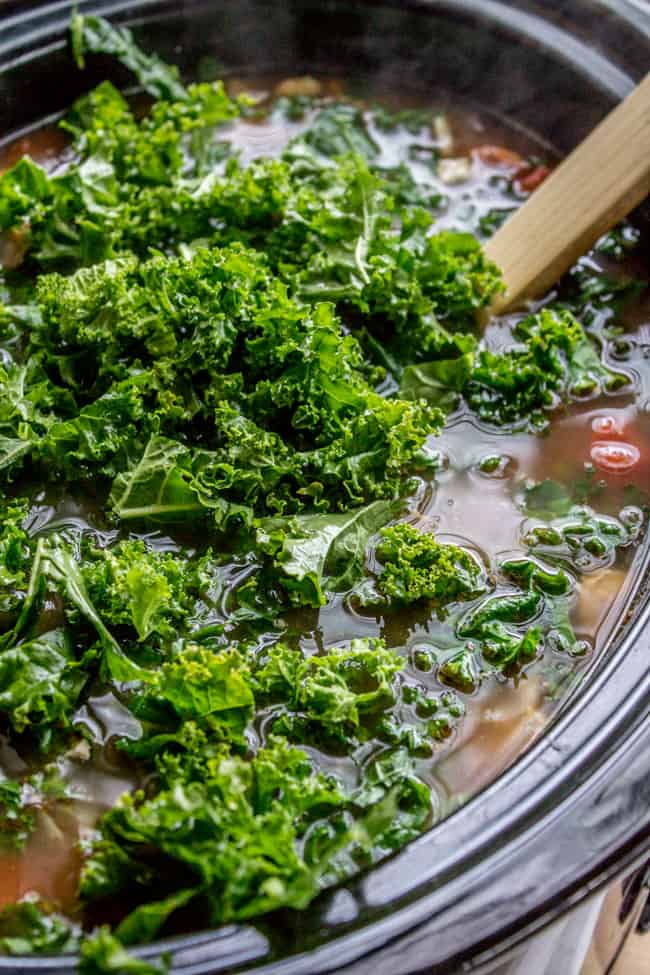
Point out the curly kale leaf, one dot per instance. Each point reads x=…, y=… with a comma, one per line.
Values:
x=40, y=683
x=232, y=837
x=336, y=130
x=150, y=592
x=415, y=566
x=210, y=689
x=16, y=819
x=510, y=628
x=107, y=435
x=352, y=253
x=55, y=569
x=516, y=607
x=335, y=697
x=240, y=838
x=26, y=928
x=102, y=953
x=275, y=392
x=583, y=538
x=28, y=400
x=441, y=380
x=554, y=360
x=94, y=35
x=96, y=207
x=307, y=556
x=15, y=555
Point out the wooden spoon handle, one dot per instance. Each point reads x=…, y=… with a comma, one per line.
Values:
x=592, y=189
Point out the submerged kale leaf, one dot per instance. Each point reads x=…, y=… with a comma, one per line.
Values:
x=227, y=832
x=553, y=360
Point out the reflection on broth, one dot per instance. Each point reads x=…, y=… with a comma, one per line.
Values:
x=600, y=447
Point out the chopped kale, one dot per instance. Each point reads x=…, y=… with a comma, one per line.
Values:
x=331, y=697
x=554, y=360
x=104, y=954
x=16, y=819
x=415, y=566
x=583, y=538
x=40, y=683
x=27, y=928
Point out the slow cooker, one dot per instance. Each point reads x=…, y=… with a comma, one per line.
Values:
x=519, y=879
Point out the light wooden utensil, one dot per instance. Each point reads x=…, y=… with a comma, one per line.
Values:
x=590, y=191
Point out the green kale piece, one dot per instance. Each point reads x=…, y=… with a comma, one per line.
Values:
x=336, y=697
x=27, y=401
x=460, y=671
x=242, y=837
x=102, y=953
x=413, y=120
x=40, y=683
x=161, y=485
x=151, y=592
x=306, y=556
x=536, y=574
x=210, y=689
x=583, y=538
x=19, y=798
x=232, y=837
x=27, y=928
x=55, y=568
x=442, y=380
x=275, y=392
x=555, y=360
x=16, y=819
x=15, y=555
x=336, y=130
x=403, y=279
x=106, y=436
x=393, y=806
x=510, y=628
x=515, y=607
x=126, y=170
x=94, y=35
x=421, y=719
x=367, y=462
x=500, y=628
x=22, y=186
x=415, y=566
x=509, y=650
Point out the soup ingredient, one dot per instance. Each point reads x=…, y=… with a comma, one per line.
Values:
x=103, y=953
x=555, y=360
x=335, y=697
x=229, y=826
x=415, y=566
x=583, y=538
x=95, y=35
x=40, y=684
x=16, y=821
x=26, y=929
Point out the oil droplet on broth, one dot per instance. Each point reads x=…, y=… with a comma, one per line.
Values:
x=615, y=457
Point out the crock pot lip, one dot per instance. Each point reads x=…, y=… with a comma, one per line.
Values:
x=26, y=22
x=558, y=788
